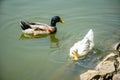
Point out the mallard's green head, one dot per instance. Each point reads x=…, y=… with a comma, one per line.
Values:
x=56, y=19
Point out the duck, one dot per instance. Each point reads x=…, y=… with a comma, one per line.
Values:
x=81, y=48
x=37, y=28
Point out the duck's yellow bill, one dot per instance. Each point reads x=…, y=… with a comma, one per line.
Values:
x=62, y=21
x=75, y=56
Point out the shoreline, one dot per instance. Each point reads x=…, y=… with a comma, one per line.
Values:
x=107, y=69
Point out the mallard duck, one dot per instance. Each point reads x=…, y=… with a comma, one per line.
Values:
x=37, y=28
x=81, y=48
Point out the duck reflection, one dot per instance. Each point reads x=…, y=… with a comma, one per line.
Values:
x=54, y=41
x=31, y=36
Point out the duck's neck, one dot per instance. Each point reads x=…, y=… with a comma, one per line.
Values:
x=53, y=23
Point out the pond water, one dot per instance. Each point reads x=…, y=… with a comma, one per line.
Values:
x=46, y=57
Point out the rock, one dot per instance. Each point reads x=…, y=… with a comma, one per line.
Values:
x=107, y=65
x=118, y=59
x=117, y=47
x=105, y=70
x=116, y=77
x=89, y=75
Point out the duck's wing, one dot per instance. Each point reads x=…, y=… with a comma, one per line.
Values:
x=34, y=25
x=38, y=26
x=89, y=35
x=25, y=25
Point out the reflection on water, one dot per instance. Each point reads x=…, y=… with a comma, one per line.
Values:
x=31, y=36
x=74, y=67
x=46, y=57
x=54, y=41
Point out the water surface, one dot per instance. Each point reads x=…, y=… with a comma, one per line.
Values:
x=46, y=57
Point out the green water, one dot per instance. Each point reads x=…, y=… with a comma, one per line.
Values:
x=46, y=58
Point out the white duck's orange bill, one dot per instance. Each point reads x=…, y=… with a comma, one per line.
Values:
x=75, y=56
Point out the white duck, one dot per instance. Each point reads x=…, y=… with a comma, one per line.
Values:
x=81, y=48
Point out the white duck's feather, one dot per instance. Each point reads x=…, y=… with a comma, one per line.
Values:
x=84, y=46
